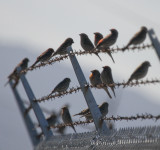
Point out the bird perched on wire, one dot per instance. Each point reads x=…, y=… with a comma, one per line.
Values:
x=108, y=41
x=66, y=117
x=46, y=55
x=62, y=86
x=62, y=49
x=97, y=37
x=14, y=75
x=83, y=112
x=138, y=38
x=86, y=44
x=96, y=81
x=103, y=109
x=106, y=77
x=140, y=72
x=52, y=119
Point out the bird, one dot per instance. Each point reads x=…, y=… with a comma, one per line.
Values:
x=52, y=119
x=86, y=44
x=62, y=49
x=140, y=72
x=108, y=41
x=62, y=86
x=138, y=38
x=97, y=37
x=66, y=117
x=96, y=81
x=83, y=112
x=46, y=55
x=107, y=78
x=103, y=109
x=14, y=75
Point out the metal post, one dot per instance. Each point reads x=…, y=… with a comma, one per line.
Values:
x=155, y=42
x=36, y=108
x=95, y=112
x=27, y=120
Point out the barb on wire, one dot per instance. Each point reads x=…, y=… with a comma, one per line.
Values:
x=74, y=90
x=80, y=52
x=118, y=118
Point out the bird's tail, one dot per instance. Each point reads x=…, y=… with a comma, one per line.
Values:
x=106, y=89
x=98, y=56
x=112, y=88
x=127, y=82
x=35, y=63
x=74, y=128
x=76, y=114
x=109, y=53
x=124, y=48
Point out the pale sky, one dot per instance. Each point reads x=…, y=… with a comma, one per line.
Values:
x=38, y=25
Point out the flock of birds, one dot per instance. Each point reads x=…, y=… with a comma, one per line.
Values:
x=96, y=78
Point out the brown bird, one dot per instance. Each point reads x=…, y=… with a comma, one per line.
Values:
x=62, y=86
x=83, y=112
x=140, y=72
x=96, y=80
x=97, y=37
x=46, y=55
x=52, y=119
x=103, y=109
x=138, y=38
x=14, y=75
x=108, y=41
x=62, y=50
x=86, y=44
x=106, y=77
x=66, y=117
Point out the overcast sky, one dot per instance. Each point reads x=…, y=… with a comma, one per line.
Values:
x=37, y=25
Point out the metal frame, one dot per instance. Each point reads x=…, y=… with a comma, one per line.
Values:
x=95, y=112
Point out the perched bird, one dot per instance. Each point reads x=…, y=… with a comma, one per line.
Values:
x=96, y=80
x=66, y=117
x=106, y=77
x=62, y=50
x=108, y=41
x=103, y=109
x=97, y=37
x=46, y=55
x=86, y=44
x=138, y=38
x=83, y=112
x=14, y=75
x=62, y=86
x=140, y=72
x=52, y=119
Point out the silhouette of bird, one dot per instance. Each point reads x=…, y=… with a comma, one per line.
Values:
x=138, y=38
x=86, y=44
x=106, y=77
x=97, y=37
x=140, y=72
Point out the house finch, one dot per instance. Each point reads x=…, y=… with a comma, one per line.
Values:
x=140, y=72
x=66, y=117
x=138, y=38
x=106, y=77
x=62, y=50
x=46, y=55
x=86, y=44
x=108, y=41
x=14, y=75
x=97, y=37
x=96, y=80
x=103, y=109
x=62, y=86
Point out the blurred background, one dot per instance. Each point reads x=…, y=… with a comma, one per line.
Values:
x=30, y=27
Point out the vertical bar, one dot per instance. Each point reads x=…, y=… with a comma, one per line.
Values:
x=155, y=42
x=27, y=120
x=37, y=110
x=95, y=112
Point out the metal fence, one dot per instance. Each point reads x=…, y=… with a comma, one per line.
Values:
x=103, y=137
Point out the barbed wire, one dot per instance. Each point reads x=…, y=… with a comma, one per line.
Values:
x=80, y=52
x=76, y=89
x=112, y=118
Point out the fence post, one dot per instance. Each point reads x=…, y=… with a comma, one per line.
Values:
x=155, y=41
x=95, y=112
x=27, y=120
x=36, y=108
